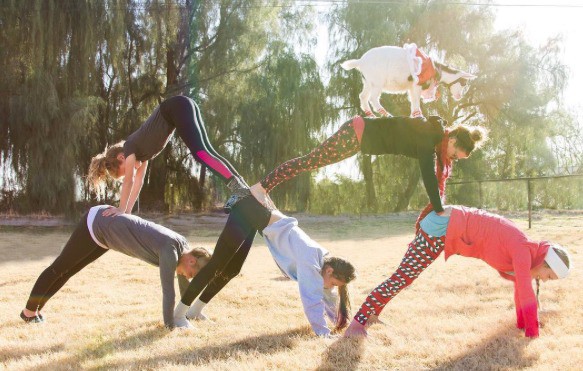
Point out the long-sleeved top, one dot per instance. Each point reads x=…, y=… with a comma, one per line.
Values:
x=411, y=137
x=301, y=259
x=497, y=241
x=145, y=240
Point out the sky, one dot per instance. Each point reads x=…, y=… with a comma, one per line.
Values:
x=539, y=20
x=544, y=19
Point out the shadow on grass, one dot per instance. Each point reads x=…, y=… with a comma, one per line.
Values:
x=502, y=351
x=102, y=347
x=13, y=354
x=201, y=356
x=344, y=354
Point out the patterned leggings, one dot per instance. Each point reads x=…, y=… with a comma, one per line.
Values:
x=422, y=251
x=341, y=145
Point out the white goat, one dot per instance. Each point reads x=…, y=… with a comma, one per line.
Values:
x=393, y=69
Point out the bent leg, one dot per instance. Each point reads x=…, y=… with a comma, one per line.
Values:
x=364, y=97
x=79, y=251
x=375, y=98
x=341, y=145
x=246, y=217
x=421, y=253
x=231, y=238
x=231, y=271
x=184, y=114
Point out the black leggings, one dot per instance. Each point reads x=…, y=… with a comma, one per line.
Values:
x=231, y=271
x=79, y=251
x=184, y=114
x=246, y=218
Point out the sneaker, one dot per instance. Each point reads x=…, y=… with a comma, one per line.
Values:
x=237, y=183
x=35, y=319
x=237, y=195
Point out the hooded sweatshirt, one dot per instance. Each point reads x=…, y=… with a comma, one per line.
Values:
x=301, y=259
x=498, y=241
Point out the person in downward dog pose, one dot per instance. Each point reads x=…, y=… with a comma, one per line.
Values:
x=129, y=159
x=96, y=234
x=426, y=140
x=298, y=256
x=477, y=234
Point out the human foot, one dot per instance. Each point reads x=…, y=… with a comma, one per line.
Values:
x=261, y=195
x=30, y=319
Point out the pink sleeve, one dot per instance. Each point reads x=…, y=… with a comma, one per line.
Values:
x=526, y=309
x=519, y=316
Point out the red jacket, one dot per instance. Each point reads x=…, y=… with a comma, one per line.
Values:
x=497, y=241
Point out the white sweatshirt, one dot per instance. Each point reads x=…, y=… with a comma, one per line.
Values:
x=301, y=259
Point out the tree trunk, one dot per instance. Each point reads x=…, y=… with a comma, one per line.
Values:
x=405, y=197
x=371, y=198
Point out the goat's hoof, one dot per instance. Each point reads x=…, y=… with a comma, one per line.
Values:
x=384, y=113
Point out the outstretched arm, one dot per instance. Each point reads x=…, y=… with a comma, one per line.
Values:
x=137, y=186
x=524, y=297
x=430, y=181
x=126, y=188
x=312, y=295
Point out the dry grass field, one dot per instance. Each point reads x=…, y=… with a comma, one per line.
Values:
x=457, y=315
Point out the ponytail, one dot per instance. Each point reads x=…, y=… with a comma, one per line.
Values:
x=343, y=308
x=345, y=272
x=102, y=165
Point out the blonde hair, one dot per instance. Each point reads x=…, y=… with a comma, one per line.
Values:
x=201, y=254
x=103, y=165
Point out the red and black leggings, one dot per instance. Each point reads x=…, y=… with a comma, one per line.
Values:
x=341, y=145
x=422, y=251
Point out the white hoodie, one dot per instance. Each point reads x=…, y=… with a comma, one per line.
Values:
x=301, y=259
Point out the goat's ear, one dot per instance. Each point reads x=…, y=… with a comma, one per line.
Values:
x=468, y=75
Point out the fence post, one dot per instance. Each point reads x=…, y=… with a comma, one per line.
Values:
x=529, y=189
x=480, y=190
x=171, y=206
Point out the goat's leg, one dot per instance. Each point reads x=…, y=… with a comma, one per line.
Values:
x=415, y=98
x=364, y=97
x=375, y=94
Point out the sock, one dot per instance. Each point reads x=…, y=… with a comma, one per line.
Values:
x=195, y=311
x=180, y=316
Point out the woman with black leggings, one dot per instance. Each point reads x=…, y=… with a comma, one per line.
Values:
x=129, y=158
x=246, y=218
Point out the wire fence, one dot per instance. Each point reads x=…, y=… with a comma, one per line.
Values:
x=544, y=192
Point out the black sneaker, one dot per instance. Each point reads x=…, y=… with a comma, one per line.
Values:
x=238, y=195
x=35, y=319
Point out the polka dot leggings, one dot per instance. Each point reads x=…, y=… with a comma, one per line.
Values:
x=341, y=145
x=422, y=251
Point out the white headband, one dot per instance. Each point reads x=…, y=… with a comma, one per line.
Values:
x=556, y=263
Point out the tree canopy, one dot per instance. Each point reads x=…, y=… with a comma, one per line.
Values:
x=79, y=75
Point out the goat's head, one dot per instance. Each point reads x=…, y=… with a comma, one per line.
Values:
x=455, y=80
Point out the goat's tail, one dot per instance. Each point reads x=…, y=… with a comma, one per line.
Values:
x=350, y=64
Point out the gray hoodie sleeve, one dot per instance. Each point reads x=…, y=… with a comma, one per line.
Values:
x=168, y=262
x=183, y=283
x=311, y=287
x=331, y=302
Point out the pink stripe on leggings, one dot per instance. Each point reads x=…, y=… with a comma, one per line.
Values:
x=214, y=164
